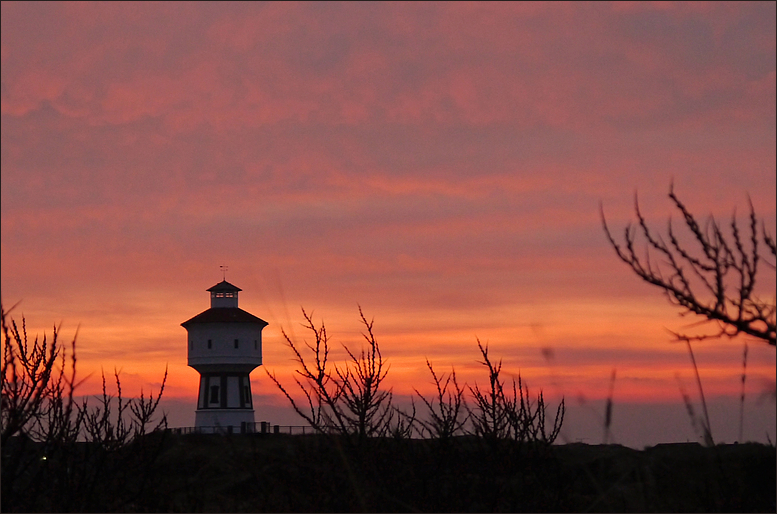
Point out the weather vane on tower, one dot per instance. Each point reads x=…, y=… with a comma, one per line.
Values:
x=224, y=270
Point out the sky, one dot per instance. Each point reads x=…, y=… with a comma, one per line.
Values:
x=440, y=165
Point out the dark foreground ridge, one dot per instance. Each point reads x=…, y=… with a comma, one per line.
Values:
x=315, y=473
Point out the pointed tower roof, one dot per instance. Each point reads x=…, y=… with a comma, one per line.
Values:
x=223, y=286
x=224, y=315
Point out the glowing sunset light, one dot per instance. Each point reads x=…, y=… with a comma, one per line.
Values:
x=442, y=165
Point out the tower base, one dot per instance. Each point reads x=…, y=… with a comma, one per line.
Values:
x=224, y=420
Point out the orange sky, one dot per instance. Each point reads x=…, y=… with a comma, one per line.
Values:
x=439, y=164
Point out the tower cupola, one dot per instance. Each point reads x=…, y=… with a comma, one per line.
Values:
x=223, y=295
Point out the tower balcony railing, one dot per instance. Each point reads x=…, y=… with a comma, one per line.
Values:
x=259, y=427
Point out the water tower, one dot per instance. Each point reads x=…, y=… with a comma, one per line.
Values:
x=225, y=345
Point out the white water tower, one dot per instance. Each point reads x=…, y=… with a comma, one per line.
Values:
x=225, y=345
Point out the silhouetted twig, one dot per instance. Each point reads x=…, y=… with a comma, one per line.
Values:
x=447, y=407
x=716, y=282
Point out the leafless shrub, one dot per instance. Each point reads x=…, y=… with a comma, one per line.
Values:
x=367, y=409
x=115, y=428
x=446, y=408
x=528, y=421
x=403, y=424
x=28, y=385
x=59, y=454
x=716, y=281
x=498, y=415
x=489, y=419
x=349, y=399
x=317, y=385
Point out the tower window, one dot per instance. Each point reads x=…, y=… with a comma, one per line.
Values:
x=246, y=396
x=214, y=394
x=237, y=342
x=210, y=344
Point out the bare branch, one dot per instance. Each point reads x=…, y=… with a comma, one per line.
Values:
x=726, y=270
